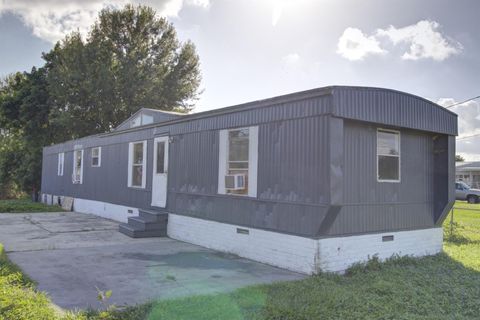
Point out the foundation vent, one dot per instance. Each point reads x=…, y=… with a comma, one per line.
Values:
x=243, y=231
x=387, y=238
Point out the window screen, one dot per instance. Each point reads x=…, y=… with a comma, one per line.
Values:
x=388, y=155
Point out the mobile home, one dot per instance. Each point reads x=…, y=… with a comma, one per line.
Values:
x=309, y=181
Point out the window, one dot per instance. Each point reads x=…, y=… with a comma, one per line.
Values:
x=136, y=164
x=61, y=161
x=238, y=159
x=77, y=175
x=160, y=167
x=388, y=155
x=141, y=120
x=96, y=157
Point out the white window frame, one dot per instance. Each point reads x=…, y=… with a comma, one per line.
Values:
x=144, y=164
x=74, y=180
x=61, y=163
x=390, y=155
x=252, y=161
x=99, y=157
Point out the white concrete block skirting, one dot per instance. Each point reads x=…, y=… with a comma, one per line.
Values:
x=103, y=209
x=302, y=254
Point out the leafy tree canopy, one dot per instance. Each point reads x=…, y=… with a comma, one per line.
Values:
x=130, y=59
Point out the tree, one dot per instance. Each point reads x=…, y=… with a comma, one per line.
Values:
x=459, y=158
x=131, y=59
x=24, y=119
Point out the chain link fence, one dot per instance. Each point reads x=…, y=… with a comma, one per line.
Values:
x=462, y=222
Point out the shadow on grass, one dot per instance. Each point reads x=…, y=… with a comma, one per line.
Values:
x=458, y=239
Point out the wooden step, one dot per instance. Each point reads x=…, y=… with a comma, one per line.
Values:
x=144, y=224
x=153, y=216
x=137, y=233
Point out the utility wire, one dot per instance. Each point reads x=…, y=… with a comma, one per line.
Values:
x=470, y=136
x=456, y=104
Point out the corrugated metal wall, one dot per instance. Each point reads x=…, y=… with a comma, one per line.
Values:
x=393, y=108
x=316, y=172
x=292, y=146
x=370, y=205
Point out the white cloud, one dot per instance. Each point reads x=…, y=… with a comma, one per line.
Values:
x=424, y=41
x=355, y=45
x=199, y=3
x=468, y=124
x=51, y=20
x=291, y=59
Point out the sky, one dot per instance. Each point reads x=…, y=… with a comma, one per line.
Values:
x=251, y=50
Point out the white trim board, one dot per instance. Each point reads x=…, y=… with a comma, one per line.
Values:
x=144, y=164
x=60, y=163
x=300, y=254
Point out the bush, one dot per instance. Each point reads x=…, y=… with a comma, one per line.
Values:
x=26, y=205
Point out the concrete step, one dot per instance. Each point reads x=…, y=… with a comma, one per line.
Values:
x=136, y=233
x=144, y=223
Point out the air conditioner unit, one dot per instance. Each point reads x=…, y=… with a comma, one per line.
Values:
x=235, y=182
x=75, y=178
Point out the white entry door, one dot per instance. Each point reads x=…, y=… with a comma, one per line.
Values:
x=160, y=172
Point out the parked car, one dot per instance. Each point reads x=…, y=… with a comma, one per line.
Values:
x=464, y=192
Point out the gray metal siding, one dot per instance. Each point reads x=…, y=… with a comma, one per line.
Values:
x=292, y=176
x=392, y=108
x=271, y=215
x=370, y=205
x=291, y=195
x=106, y=183
x=277, y=112
x=193, y=163
x=316, y=171
x=293, y=161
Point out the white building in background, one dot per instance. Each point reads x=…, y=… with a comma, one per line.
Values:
x=468, y=172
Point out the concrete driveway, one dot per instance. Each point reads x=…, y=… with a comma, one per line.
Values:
x=70, y=255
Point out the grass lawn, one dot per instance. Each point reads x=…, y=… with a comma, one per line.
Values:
x=446, y=286
x=26, y=205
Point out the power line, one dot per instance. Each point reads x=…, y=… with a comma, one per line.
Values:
x=456, y=104
x=470, y=136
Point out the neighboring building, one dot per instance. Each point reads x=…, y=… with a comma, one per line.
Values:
x=310, y=181
x=468, y=172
